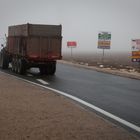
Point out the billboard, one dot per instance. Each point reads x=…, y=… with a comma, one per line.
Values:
x=72, y=44
x=104, y=40
x=136, y=56
x=135, y=50
x=135, y=44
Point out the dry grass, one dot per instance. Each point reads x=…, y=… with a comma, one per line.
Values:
x=111, y=60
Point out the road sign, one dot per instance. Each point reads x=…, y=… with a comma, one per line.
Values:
x=72, y=44
x=135, y=44
x=135, y=50
x=104, y=40
x=135, y=56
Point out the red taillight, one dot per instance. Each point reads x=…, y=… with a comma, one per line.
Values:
x=53, y=55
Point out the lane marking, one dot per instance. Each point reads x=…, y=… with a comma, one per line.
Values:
x=118, y=119
x=42, y=81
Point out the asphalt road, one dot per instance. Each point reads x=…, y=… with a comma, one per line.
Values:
x=117, y=95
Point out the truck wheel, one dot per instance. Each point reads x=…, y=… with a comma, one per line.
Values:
x=48, y=69
x=4, y=61
x=21, y=67
x=13, y=64
x=42, y=70
x=45, y=70
x=16, y=65
x=52, y=68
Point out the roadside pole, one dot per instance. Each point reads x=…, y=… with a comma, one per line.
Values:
x=71, y=54
x=104, y=42
x=136, y=52
x=103, y=56
x=71, y=45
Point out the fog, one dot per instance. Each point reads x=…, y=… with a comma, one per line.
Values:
x=81, y=20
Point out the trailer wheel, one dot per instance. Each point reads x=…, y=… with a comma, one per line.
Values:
x=45, y=70
x=16, y=65
x=21, y=67
x=52, y=68
x=48, y=69
x=4, y=61
x=13, y=64
x=42, y=70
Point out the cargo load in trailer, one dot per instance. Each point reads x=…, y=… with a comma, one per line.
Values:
x=32, y=45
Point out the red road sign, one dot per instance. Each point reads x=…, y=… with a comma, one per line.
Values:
x=71, y=43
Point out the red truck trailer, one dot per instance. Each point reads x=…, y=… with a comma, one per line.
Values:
x=32, y=45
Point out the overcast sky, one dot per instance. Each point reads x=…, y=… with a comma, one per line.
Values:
x=81, y=19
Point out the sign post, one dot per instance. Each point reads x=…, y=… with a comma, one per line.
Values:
x=135, y=50
x=103, y=55
x=104, y=42
x=71, y=45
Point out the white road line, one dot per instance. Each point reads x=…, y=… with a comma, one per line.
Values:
x=122, y=121
x=42, y=81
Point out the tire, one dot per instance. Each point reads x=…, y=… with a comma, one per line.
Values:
x=21, y=67
x=42, y=70
x=13, y=64
x=52, y=68
x=48, y=69
x=16, y=65
x=4, y=60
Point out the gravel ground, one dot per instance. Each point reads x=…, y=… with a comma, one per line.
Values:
x=28, y=112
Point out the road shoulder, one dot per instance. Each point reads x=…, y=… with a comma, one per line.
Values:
x=123, y=73
x=34, y=113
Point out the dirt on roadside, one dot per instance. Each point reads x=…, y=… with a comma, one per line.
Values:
x=28, y=112
x=119, y=72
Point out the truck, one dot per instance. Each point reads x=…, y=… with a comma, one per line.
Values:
x=32, y=45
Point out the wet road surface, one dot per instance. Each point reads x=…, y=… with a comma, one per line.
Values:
x=117, y=95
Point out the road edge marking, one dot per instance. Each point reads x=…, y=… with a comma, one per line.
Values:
x=42, y=81
x=118, y=119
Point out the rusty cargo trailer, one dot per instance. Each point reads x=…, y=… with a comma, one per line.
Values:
x=34, y=45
